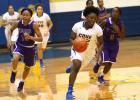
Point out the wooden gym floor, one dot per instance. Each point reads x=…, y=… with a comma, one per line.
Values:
x=51, y=83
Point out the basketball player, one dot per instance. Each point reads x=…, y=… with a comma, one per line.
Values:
x=113, y=29
x=88, y=4
x=24, y=45
x=45, y=24
x=103, y=14
x=8, y=19
x=85, y=29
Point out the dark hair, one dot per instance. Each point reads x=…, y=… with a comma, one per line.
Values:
x=29, y=10
x=9, y=6
x=119, y=9
x=88, y=1
x=38, y=5
x=89, y=10
x=98, y=1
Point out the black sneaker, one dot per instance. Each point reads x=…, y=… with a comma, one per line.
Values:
x=13, y=76
x=20, y=87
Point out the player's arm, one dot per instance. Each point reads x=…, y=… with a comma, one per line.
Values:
x=99, y=43
x=4, y=22
x=50, y=24
x=10, y=31
x=103, y=24
x=104, y=17
x=74, y=32
x=72, y=37
x=38, y=33
x=122, y=31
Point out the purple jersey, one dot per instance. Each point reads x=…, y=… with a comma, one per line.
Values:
x=28, y=29
x=102, y=12
x=110, y=36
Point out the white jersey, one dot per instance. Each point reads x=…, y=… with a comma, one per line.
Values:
x=80, y=30
x=88, y=34
x=42, y=22
x=10, y=18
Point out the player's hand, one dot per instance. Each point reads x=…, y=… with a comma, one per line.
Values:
x=116, y=28
x=10, y=23
x=27, y=37
x=108, y=15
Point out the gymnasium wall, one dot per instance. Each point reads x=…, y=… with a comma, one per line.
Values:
x=65, y=13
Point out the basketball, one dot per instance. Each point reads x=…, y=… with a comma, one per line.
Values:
x=80, y=44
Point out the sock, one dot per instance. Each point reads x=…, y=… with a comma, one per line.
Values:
x=14, y=71
x=102, y=74
x=70, y=87
x=96, y=68
x=22, y=80
x=41, y=60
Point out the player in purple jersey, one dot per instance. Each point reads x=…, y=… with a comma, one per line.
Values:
x=25, y=45
x=113, y=29
x=89, y=3
x=103, y=14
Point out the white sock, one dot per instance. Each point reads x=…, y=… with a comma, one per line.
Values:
x=22, y=80
x=14, y=70
x=102, y=74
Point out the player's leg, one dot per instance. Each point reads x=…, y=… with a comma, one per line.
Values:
x=106, y=60
x=16, y=56
x=76, y=60
x=97, y=65
x=41, y=50
x=24, y=76
x=113, y=56
x=29, y=55
x=68, y=69
x=40, y=54
x=73, y=74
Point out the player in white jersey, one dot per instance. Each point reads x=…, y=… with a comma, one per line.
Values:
x=86, y=29
x=88, y=4
x=45, y=24
x=9, y=18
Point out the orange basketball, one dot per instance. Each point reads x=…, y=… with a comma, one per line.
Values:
x=80, y=44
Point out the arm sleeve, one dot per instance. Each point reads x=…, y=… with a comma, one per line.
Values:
x=75, y=28
x=4, y=17
x=47, y=17
x=99, y=31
